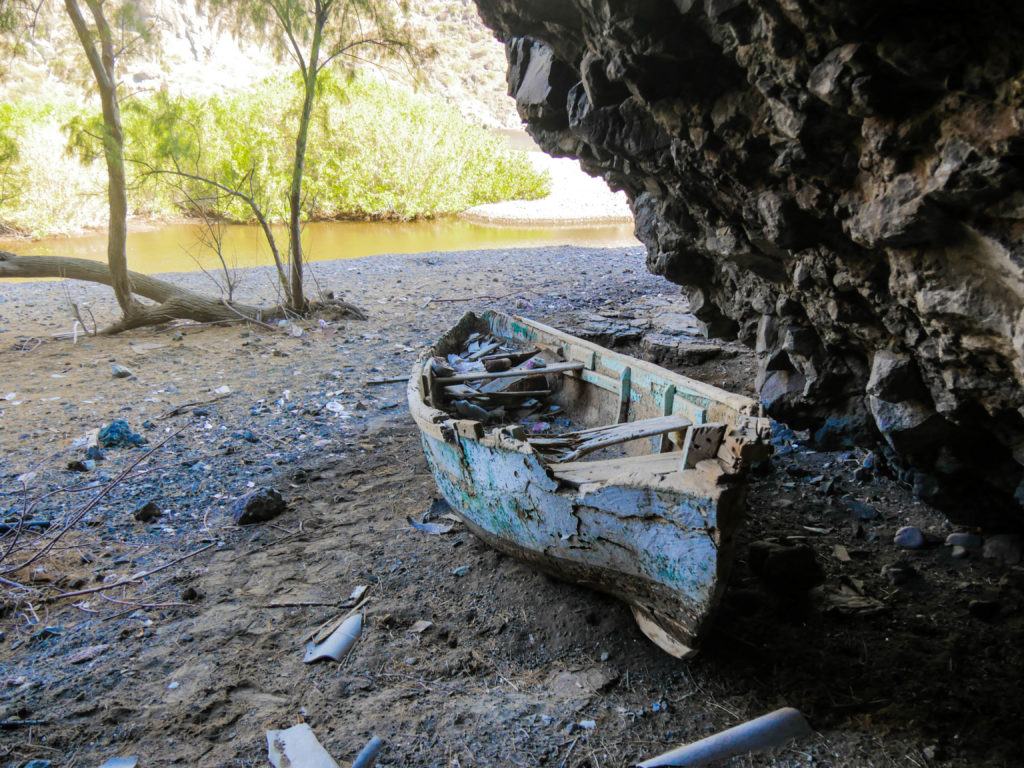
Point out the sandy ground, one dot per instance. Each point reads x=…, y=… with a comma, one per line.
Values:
x=907, y=658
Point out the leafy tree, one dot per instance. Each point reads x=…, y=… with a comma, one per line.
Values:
x=316, y=34
x=110, y=31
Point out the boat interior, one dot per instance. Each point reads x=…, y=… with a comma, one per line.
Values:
x=587, y=411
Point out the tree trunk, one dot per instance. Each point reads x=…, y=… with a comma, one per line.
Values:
x=173, y=302
x=102, y=62
x=297, y=300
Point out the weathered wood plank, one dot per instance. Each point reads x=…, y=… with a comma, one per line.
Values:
x=616, y=434
x=459, y=378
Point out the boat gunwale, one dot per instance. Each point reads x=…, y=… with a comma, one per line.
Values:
x=437, y=422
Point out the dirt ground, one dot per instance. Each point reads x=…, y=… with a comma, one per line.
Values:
x=897, y=657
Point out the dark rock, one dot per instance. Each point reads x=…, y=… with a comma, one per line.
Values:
x=148, y=512
x=785, y=567
x=1003, y=547
x=118, y=434
x=121, y=372
x=830, y=184
x=191, y=595
x=82, y=466
x=94, y=453
x=986, y=610
x=861, y=511
x=909, y=537
x=898, y=573
x=258, y=507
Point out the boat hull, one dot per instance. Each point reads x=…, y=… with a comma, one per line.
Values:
x=652, y=531
x=655, y=545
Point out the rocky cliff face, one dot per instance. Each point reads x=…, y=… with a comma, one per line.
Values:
x=835, y=182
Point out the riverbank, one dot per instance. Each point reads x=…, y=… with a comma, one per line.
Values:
x=576, y=199
x=466, y=656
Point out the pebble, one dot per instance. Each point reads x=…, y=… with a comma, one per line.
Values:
x=258, y=506
x=862, y=511
x=898, y=573
x=1004, y=547
x=959, y=552
x=909, y=537
x=786, y=568
x=147, y=512
x=178, y=336
x=462, y=570
x=588, y=725
x=964, y=540
x=121, y=372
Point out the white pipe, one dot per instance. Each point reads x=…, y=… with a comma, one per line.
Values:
x=769, y=730
x=366, y=758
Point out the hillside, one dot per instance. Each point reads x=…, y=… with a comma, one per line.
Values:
x=200, y=54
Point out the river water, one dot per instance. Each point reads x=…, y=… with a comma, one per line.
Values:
x=178, y=247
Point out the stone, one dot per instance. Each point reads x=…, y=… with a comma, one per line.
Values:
x=1004, y=547
x=121, y=372
x=791, y=568
x=898, y=573
x=965, y=540
x=148, y=512
x=893, y=377
x=117, y=434
x=258, y=506
x=909, y=537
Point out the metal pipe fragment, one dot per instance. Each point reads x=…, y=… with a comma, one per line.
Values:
x=769, y=730
x=368, y=755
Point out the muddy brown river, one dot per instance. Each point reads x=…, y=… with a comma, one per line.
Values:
x=178, y=247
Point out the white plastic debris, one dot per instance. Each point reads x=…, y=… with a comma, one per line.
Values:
x=368, y=754
x=223, y=389
x=121, y=762
x=769, y=730
x=297, y=747
x=338, y=644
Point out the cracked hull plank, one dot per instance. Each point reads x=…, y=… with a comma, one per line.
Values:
x=657, y=546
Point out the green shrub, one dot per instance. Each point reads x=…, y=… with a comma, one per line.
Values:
x=42, y=189
x=374, y=151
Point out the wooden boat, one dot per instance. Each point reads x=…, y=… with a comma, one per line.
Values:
x=654, y=527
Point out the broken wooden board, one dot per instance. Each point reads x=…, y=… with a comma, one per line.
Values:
x=460, y=378
x=582, y=443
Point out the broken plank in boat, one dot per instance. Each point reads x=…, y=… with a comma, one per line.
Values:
x=459, y=378
x=589, y=441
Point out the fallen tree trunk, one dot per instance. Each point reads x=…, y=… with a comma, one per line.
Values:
x=172, y=301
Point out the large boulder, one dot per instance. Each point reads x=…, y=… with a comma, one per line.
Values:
x=835, y=183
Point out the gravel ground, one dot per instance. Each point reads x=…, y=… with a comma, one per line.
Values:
x=898, y=657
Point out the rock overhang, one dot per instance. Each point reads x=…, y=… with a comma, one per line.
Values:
x=835, y=184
